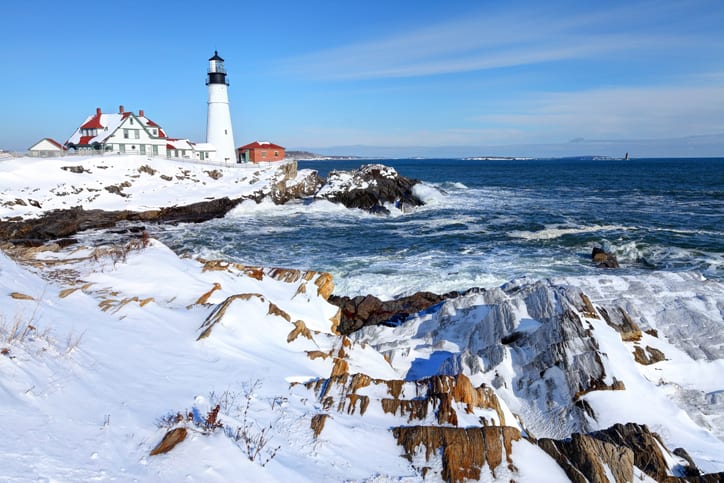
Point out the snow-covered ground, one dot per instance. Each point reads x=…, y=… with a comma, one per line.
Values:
x=31, y=186
x=104, y=349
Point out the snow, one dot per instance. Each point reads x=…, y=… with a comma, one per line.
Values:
x=52, y=187
x=98, y=349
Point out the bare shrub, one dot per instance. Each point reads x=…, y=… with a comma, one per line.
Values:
x=253, y=439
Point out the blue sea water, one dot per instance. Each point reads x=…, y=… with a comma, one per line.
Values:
x=487, y=222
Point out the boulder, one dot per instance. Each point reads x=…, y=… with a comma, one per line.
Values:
x=370, y=188
x=587, y=459
x=169, y=441
x=603, y=259
x=361, y=311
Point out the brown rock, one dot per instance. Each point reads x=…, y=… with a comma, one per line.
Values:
x=644, y=444
x=169, y=441
x=648, y=356
x=464, y=451
x=584, y=458
x=317, y=423
x=603, y=259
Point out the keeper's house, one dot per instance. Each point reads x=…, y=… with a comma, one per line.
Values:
x=122, y=133
x=259, y=152
x=47, y=148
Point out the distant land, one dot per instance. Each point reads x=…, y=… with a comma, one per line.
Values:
x=685, y=147
x=310, y=155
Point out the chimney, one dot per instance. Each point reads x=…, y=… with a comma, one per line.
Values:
x=98, y=111
x=120, y=109
x=140, y=113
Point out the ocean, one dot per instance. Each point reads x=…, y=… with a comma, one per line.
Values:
x=487, y=222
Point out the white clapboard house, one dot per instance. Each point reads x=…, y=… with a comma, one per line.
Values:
x=125, y=132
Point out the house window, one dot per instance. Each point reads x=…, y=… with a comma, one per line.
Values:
x=137, y=134
x=276, y=154
x=143, y=149
x=131, y=121
x=154, y=150
x=121, y=148
x=155, y=132
x=125, y=134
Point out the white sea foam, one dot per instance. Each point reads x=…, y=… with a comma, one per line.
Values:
x=552, y=232
x=429, y=194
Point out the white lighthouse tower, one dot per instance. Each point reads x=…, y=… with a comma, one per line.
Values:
x=218, y=120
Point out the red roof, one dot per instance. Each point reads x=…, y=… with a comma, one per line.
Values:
x=84, y=140
x=56, y=143
x=261, y=145
x=93, y=123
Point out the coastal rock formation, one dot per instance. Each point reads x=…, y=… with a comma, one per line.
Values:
x=370, y=188
x=65, y=223
x=464, y=451
x=603, y=259
x=290, y=184
x=543, y=329
x=367, y=310
x=362, y=311
x=587, y=459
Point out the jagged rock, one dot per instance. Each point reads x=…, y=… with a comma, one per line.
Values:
x=622, y=322
x=370, y=188
x=65, y=223
x=367, y=310
x=75, y=169
x=464, y=451
x=603, y=259
x=197, y=212
x=648, y=356
x=554, y=349
x=585, y=459
x=169, y=441
x=442, y=398
x=644, y=444
x=290, y=184
x=361, y=311
x=317, y=423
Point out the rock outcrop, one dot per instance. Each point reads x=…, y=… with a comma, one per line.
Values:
x=362, y=311
x=367, y=310
x=587, y=459
x=370, y=188
x=464, y=451
x=603, y=259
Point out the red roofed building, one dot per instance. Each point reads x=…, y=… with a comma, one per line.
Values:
x=47, y=147
x=122, y=132
x=259, y=152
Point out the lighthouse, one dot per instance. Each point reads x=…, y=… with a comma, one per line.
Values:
x=218, y=120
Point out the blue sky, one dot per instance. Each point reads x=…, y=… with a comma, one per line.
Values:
x=401, y=76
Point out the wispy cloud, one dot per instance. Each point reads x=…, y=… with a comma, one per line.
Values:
x=484, y=41
x=615, y=112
